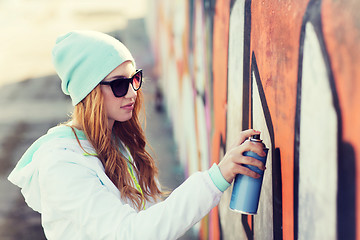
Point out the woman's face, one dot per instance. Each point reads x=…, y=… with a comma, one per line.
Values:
x=119, y=109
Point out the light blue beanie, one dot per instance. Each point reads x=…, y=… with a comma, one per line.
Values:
x=83, y=59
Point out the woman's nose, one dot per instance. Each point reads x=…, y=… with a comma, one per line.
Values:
x=131, y=92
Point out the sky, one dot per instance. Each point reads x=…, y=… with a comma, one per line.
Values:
x=29, y=29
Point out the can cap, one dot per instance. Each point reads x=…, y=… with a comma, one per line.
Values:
x=256, y=137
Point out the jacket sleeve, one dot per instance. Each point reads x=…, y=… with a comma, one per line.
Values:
x=72, y=194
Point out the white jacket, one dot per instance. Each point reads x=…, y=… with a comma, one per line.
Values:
x=78, y=201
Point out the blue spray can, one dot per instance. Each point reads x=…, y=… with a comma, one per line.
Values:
x=246, y=191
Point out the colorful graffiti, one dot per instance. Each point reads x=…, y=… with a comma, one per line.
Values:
x=288, y=69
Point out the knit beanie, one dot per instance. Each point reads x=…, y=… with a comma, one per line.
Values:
x=83, y=59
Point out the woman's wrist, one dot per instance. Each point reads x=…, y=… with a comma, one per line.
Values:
x=217, y=178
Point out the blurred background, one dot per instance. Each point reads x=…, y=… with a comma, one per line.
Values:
x=29, y=29
x=31, y=100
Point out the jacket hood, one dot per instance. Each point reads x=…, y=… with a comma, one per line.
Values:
x=25, y=174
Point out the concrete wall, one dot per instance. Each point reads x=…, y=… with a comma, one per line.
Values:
x=287, y=68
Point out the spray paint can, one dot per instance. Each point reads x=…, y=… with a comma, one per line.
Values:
x=246, y=191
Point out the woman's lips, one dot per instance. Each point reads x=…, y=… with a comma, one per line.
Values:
x=129, y=106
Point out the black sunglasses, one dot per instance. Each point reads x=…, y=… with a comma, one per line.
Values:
x=120, y=86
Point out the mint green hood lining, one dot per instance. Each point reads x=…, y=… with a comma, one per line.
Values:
x=55, y=132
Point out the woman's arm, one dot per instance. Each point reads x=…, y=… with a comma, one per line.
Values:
x=73, y=195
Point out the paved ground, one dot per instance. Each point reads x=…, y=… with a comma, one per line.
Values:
x=31, y=107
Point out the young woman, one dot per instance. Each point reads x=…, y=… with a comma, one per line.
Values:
x=92, y=177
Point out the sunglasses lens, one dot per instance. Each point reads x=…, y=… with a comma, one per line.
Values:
x=120, y=88
x=137, y=78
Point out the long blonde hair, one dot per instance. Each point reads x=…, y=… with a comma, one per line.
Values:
x=90, y=115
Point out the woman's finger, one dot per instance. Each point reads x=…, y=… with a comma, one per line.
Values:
x=237, y=153
x=244, y=135
x=239, y=157
x=239, y=169
x=251, y=161
x=255, y=147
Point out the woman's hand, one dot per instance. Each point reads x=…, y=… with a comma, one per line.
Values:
x=233, y=161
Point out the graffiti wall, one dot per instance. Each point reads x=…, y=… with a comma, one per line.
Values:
x=286, y=68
